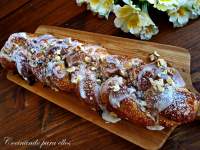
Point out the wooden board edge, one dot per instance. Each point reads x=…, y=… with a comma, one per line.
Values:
x=181, y=50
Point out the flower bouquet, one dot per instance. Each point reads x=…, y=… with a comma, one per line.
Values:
x=132, y=15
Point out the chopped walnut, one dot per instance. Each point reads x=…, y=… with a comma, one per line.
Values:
x=102, y=58
x=87, y=59
x=79, y=47
x=93, y=68
x=171, y=71
x=62, y=66
x=76, y=80
x=161, y=63
x=143, y=103
x=98, y=81
x=154, y=56
x=170, y=81
x=128, y=65
x=157, y=84
x=164, y=72
x=58, y=52
x=116, y=87
x=123, y=73
x=160, y=88
x=58, y=58
x=71, y=69
x=68, y=40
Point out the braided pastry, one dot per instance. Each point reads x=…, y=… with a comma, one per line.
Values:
x=150, y=94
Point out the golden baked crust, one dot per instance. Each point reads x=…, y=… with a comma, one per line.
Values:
x=146, y=94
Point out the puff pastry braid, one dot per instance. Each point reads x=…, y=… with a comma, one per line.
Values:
x=150, y=94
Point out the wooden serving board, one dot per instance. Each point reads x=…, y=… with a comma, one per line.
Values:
x=179, y=57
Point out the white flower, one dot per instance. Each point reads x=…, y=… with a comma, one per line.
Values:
x=149, y=29
x=102, y=7
x=179, y=17
x=134, y=20
x=165, y=5
x=187, y=10
x=194, y=8
x=128, y=18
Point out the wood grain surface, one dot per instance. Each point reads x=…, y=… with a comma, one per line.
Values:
x=26, y=116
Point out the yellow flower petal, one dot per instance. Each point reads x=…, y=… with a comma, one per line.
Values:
x=134, y=21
